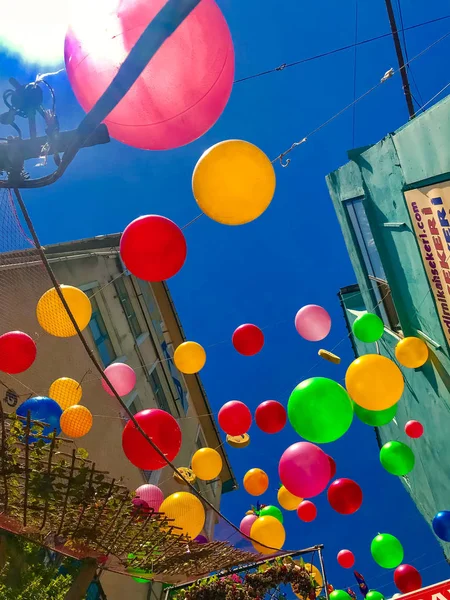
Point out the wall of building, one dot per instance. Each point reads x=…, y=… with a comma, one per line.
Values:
x=415, y=156
x=148, y=353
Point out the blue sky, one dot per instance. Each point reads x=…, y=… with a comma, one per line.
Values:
x=293, y=255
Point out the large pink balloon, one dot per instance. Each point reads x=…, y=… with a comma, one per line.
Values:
x=182, y=91
x=122, y=378
x=151, y=494
x=313, y=323
x=246, y=524
x=304, y=469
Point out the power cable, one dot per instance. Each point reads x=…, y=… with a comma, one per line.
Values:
x=336, y=50
x=388, y=75
x=405, y=48
x=354, y=74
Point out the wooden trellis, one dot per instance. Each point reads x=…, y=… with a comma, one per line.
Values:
x=53, y=495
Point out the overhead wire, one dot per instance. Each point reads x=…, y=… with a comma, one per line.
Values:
x=355, y=74
x=387, y=76
x=405, y=48
x=284, y=66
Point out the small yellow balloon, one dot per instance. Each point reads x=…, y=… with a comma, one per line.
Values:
x=207, y=464
x=233, y=182
x=66, y=392
x=189, y=357
x=411, y=352
x=52, y=315
x=287, y=500
x=374, y=382
x=256, y=482
x=269, y=535
x=187, y=513
x=76, y=421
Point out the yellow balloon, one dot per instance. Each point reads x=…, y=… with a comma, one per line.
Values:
x=66, y=392
x=268, y=533
x=52, y=315
x=287, y=500
x=314, y=571
x=411, y=352
x=207, y=463
x=187, y=513
x=189, y=357
x=374, y=382
x=256, y=482
x=233, y=182
x=76, y=421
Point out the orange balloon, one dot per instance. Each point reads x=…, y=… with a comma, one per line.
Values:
x=76, y=421
x=256, y=482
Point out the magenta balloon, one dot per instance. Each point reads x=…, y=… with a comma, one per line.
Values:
x=246, y=524
x=313, y=323
x=183, y=89
x=151, y=494
x=122, y=378
x=304, y=470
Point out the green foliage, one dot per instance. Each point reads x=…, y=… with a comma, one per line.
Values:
x=253, y=586
x=29, y=574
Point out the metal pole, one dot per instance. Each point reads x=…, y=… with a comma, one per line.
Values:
x=401, y=61
x=324, y=575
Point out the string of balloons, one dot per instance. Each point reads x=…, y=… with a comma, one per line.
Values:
x=233, y=184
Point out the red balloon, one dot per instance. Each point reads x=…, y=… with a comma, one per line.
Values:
x=332, y=467
x=270, y=416
x=235, y=418
x=407, y=578
x=153, y=248
x=17, y=352
x=345, y=496
x=307, y=511
x=414, y=429
x=248, y=339
x=164, y=432
x=346, y=559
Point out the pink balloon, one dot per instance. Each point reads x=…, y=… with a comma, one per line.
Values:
x=182, y=91
x=122, y=378
x=304, y=469
x=313, y=323
x=151, y=494
x=246, y=524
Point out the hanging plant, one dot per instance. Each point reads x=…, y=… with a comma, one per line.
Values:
x=253, y=586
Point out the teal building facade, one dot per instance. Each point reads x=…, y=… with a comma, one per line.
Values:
x=392, y=200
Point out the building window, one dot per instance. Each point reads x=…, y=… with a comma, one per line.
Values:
x=136, y=405
x=372, y=263
x=100, y=333
x=158, y=390
x=127, y=307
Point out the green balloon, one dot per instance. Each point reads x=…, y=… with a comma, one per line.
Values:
x=375, y=418
x=368, y=328
x=374, y=595
x=397, y=458
x=339, y=595
x=387, y=551
x=320, y=410
x=271, y=511
x=139, y=580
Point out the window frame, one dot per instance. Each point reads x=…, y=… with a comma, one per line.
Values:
x=152, y=374
x=127, y=307
x=378, y=283
x=101, y=326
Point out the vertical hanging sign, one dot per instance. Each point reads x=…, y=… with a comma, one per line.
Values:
x=429, y=208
